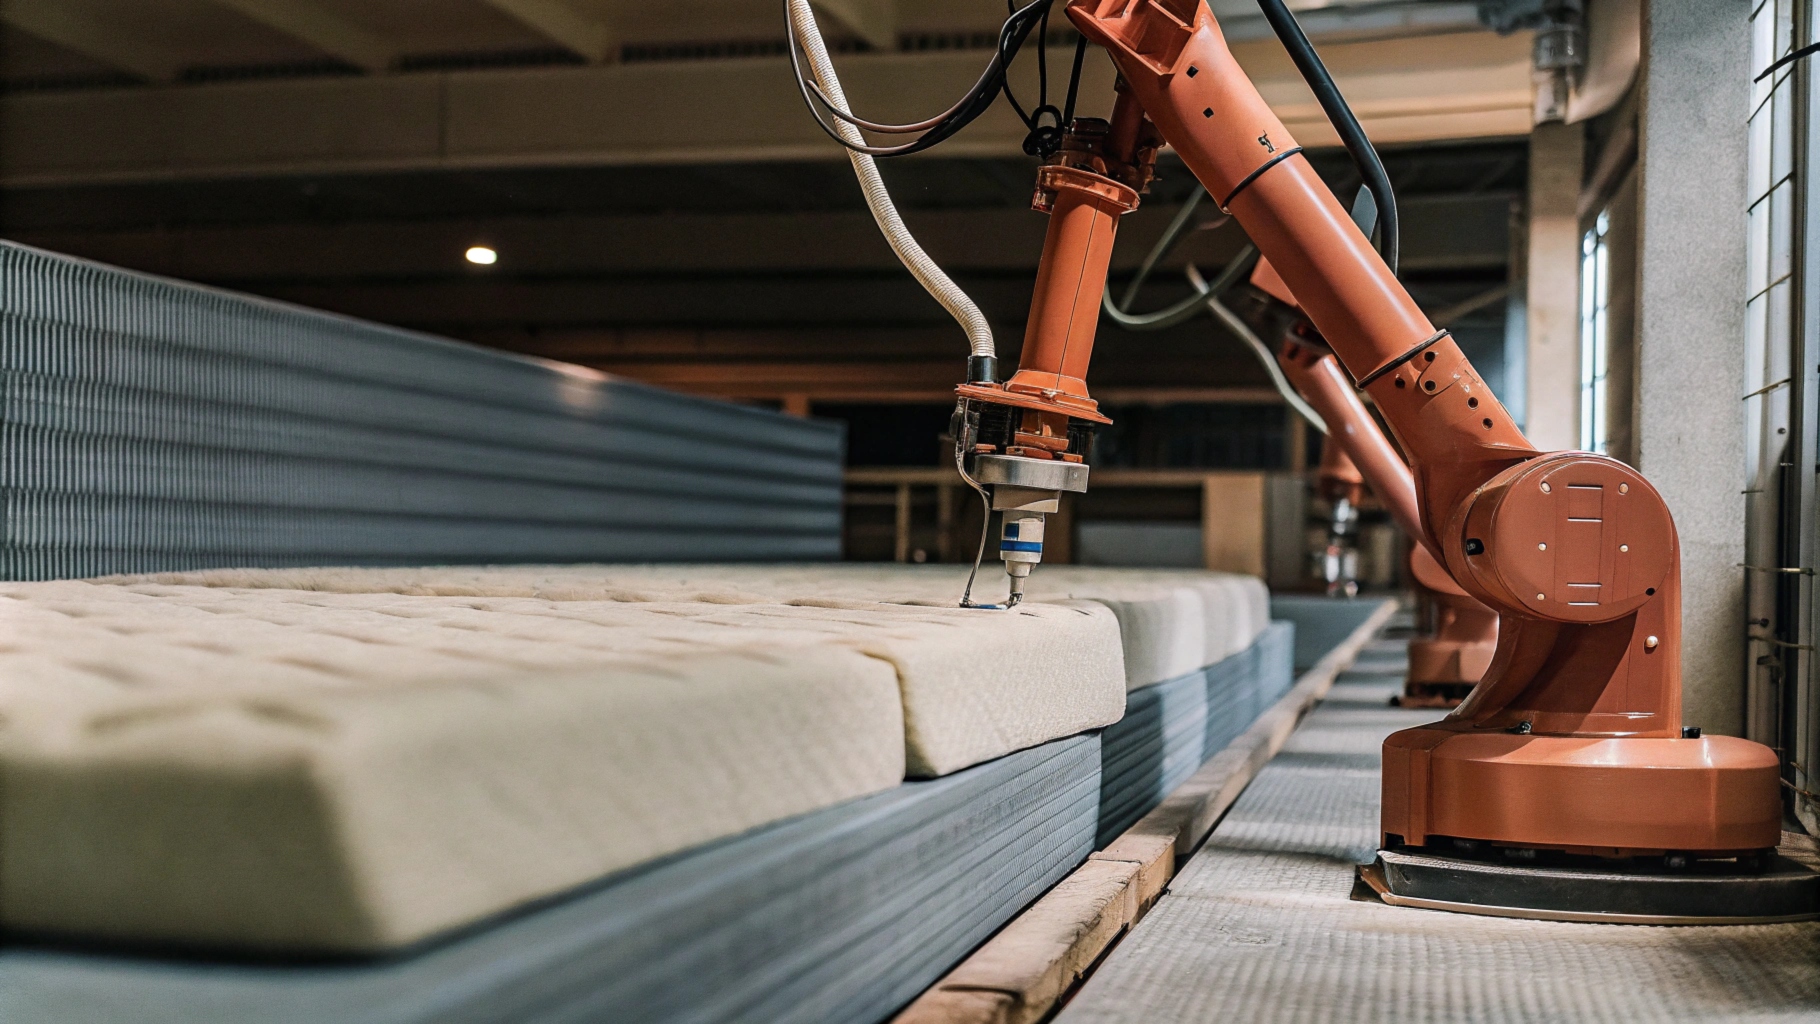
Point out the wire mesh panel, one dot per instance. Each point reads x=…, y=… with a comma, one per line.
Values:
x=148, y=424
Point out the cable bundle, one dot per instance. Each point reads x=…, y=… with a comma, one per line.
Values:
x=1045, y=138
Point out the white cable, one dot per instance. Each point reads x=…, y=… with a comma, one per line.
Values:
x=921, y=267
x=1238, y=327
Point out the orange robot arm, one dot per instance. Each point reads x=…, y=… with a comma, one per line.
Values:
x=1576, y=728
x=1443, y=664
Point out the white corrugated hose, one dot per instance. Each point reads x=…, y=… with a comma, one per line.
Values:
x=938, y=284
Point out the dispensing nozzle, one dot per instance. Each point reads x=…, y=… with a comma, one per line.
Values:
x=1025, y=491
x=1020, y=547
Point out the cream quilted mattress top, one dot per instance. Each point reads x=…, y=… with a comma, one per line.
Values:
x=1172, y=621
x=351, y=760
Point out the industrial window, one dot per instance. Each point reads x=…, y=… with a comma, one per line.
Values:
x=1782, y=694
x=1769, y=266
x=1595, y=300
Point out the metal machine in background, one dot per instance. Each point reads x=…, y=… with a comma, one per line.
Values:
x=1565, y=785
x=1339, y=483
x=1458, y=635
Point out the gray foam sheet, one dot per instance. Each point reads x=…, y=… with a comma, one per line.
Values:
x=841, y=915
x=1260, y=926
x=149, y=424
x=1172, y=728
x=1321, y=623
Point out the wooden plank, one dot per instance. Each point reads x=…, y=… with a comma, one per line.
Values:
x=1040, y=955
x=901, y=549
x=1154, y=857
x=1232, y=522
x=1461, y=85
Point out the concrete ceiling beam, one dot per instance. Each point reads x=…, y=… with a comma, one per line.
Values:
x=1469, y=85
x=874, y=21
x=321, y=29
x=92, y=36
x=585, y=35
x=1440, y=232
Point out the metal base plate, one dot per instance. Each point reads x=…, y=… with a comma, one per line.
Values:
x=1431, y=695
x=1785, y=891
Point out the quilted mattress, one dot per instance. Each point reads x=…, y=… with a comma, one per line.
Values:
x=355, y=770
x=762, y=927
x=1171, y=622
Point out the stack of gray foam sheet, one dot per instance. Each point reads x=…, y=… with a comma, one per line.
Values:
x=513, y=770
x=843, y=914
x=1172, y=728
x=452, y=795
x=149, y=424
x=1321, y=622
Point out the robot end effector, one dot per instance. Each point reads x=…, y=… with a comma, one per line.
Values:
x=1029, y=437
x=1024, y=491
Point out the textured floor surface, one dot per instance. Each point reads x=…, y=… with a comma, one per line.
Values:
x=1260, y=926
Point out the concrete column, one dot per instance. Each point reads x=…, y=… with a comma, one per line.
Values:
x=1515, y=392
x=1621, y=322
x=1690, y=325
x=1552, y=287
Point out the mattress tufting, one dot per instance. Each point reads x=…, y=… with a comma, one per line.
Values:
x=351, y=771
x=1172, y=622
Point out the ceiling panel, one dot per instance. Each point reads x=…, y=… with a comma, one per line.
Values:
x=428, y=27
x=25, y=56
x=199, y=32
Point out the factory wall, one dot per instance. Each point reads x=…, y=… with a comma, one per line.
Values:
x=1690, y=366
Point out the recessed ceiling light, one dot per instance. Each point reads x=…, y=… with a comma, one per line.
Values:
x=482, y=255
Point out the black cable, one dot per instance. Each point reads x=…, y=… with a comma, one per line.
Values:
x=1044, y=139
x=1012, y=35
x=1789, y=58
x=965, y=110
x=1352, y=136
x=1190, y=307
x=1030, y=118
x=1074, y=82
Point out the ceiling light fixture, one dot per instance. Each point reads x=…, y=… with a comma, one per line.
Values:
x=482, y=255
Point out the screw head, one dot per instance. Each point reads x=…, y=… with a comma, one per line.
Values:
x=1624, y=548
x=1623, y=488
x=1541, y=597
x=1650, y=642
x=1541, y=547
x=1545, y=488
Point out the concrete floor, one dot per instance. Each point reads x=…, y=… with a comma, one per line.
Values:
x=1260, y=925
